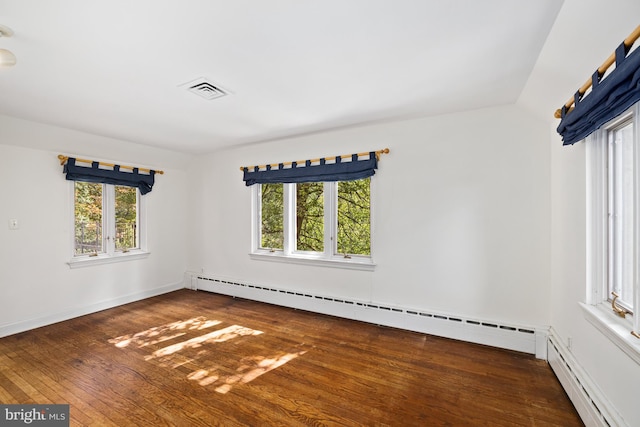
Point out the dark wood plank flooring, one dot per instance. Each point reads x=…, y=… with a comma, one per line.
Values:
x=198, y=359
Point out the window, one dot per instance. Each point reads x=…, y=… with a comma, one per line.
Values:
x=272, y=225
x=106, y=222
x=354, y=217
x=613, y=233
x=621, y=229
x=88, y=218
x=309, y=216
x=317, y=222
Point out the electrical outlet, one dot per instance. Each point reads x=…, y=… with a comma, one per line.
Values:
x=13, y=224
x=569, y=343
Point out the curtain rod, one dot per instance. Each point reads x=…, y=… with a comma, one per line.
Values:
x=63, y=160
x=344, y=156
x=628, y=42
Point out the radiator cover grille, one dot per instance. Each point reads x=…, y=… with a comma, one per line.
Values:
x=509, y=336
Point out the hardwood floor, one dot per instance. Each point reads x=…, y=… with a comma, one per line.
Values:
x=198, y=359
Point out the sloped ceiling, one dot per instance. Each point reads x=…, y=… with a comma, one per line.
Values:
x=115, y=68
x=582, y=38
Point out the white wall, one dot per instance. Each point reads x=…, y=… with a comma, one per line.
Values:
x=37, y=286
x=461, y=216
x=585, y=33
x=614, y=373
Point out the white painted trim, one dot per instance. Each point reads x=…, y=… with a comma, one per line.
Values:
x=597, y=218
x=592, y=405
x=25, y=325
x=618, y=330
x=510, y=336
x=87, y=261
x=351, y=264
x=636, y=207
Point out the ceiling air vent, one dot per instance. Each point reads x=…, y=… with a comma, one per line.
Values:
x=205, y=89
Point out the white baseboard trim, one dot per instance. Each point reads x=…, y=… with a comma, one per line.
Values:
x=25, y=325
x=521, y=338
x=592, y=405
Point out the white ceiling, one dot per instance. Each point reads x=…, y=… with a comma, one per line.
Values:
x=114, y=68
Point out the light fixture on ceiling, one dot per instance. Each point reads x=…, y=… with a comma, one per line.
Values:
x=7, y=58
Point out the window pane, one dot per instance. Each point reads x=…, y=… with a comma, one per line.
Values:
x=310, y=217
x=622, y=218
x=88, y=218
x=354, y=217
x=272, y=210
x=126, y=206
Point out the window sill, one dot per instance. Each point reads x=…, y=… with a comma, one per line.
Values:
x=86, y=261
x=352, y=264
x=614, y=328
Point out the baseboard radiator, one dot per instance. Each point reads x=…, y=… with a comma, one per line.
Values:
x=508, y=336
x=592, y=405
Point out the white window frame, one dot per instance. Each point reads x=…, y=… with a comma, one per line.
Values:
x=598, y=310
x=329, y=257
x=110, y=255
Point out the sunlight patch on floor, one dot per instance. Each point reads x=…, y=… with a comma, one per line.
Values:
x=162, y=333
x=250, y=368
x=175, y=356
x=220, y=335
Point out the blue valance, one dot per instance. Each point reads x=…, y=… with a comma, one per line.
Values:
x=322, y=172
x=609, y=97
x=143, y=182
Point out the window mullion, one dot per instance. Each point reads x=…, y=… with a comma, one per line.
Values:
x=137, y=223
x=614, y=215
x=599, y=217
x=256, y=225
x=72, y=217
x=372, y=192
x=289, y=220
x=109, y=215
x=330, y=218
x=636, y=204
